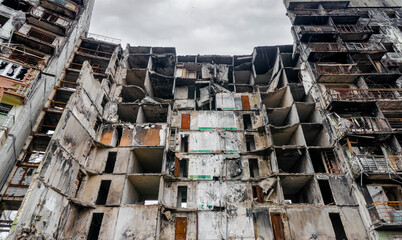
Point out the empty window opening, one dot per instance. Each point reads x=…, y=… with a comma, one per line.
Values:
x=111, y=161
x=338, y=226
x=181, y=228
x=103, y=192
x=293, y=161
x=253, y=166
x=182, y=196
x=324, y=161
x=257, y=194
x=141, y=190
x=119, y=135
x=147, y=160
x=181, y=168
x=277, y=226
x=95, y=227
x=5, y=108
x=3, y=20
x=301, y=189
x=326, y=192
x=184, y=143
x=191, y=92
x=247, y=121
x=250, y=143
x=97, y=124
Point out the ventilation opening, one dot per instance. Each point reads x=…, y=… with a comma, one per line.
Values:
x=250, y=143
x=184, y=144
x=247, y=121
x=338, y=227
x=253, y=165
x=182, y=197
x=103, y=192
x=111, y=161
x=326, y=192
x=96, y=224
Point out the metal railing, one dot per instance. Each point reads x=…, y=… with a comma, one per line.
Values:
x=367, y=125
x=348, y=94
x=365, y=47
x=369, y=164
x=323, y=69
x=383, y=212
x=6, y=121
x=95, y=52
x=353, y=28
x=102, y=38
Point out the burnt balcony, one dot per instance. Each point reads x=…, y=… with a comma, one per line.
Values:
x=316, y=51
x=331, y=73
x=376, y=164
x=311, y=16
x=369, y=125
x=316, y=33
x=386, y=214
x=45, y=19
x=354, y=32
x=396, y=124
x=63, y=7
x=333, y=95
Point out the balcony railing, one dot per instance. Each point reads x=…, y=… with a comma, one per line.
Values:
x=376, y=164
x=338, y=69
x=353, y=28
x=365, y=47
x=367, y=125
x=386, y=212
x=347, y=94
x=6, y=121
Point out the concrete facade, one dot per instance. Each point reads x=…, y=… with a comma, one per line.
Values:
x=295, y=141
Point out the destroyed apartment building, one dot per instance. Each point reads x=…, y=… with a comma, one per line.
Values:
x=299, y=141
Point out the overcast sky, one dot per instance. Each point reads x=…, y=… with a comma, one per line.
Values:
x=194, y=26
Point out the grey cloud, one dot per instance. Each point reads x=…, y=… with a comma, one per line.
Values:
x=194, y=26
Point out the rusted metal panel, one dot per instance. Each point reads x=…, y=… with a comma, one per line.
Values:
x=277, y=226
x=185, y=121
x=126, y=137
x=181, y=228
x=177, y=167
x=107, y=136
x=257, y=193
x=245, y=102
x=148, y=137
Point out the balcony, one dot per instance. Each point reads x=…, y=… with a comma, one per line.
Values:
x=316, y=51
x=44, y=19
x=386, y=214
x=376, y=164
x=63, y=7
x=369, y=125
x=354, y=32
x=396, y=123
x=332, y=95
x=316, y=33
x=331, y=73
x=310, y=16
